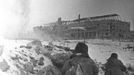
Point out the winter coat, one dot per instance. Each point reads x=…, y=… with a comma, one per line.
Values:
x=88, y=64
x=114, y=67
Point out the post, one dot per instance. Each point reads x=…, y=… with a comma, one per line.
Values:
x=84, y=37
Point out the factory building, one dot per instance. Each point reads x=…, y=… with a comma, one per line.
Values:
x=109, y=26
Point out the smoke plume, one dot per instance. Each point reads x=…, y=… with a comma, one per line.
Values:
x=14, y=17
x=22, y=10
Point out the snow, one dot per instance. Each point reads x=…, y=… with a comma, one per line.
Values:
x=17, y=57
x=99, y=50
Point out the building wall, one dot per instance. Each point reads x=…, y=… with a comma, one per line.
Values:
x=109, y=29
x=103, y=28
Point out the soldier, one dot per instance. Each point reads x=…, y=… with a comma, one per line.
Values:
x=80, y=63
x=114, y=66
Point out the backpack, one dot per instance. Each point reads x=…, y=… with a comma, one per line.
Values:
x=75, y=69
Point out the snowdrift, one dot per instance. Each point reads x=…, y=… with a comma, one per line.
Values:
x=47, y=58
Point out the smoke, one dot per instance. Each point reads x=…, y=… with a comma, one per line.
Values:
x=14, y=17
x=22, y=10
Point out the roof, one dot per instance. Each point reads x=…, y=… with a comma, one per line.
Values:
x=104, y=16
x=81, y=19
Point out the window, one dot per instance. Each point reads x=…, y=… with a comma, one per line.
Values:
x=106, y=34
x=72, y=34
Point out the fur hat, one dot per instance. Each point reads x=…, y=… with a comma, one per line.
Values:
x=81, y=48
x=114, y=55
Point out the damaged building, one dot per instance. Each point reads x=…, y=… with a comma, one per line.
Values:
x=109, y=26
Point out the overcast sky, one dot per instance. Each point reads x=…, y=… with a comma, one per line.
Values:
x=45, y=11
x=21, y=15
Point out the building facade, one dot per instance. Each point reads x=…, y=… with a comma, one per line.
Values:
x=101, y=27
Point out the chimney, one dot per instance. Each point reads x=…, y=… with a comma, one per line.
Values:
x=79, y=18
x=59, y=21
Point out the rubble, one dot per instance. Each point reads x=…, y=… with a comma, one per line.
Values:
x=1, y=49
x=35, y=42
x=4, y=66
x=57, y=54
x=37, y=58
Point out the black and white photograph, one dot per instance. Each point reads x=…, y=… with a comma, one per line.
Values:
x=66, y=37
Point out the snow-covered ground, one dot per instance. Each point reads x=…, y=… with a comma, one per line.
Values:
x=103, y=49
x=99, y=50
